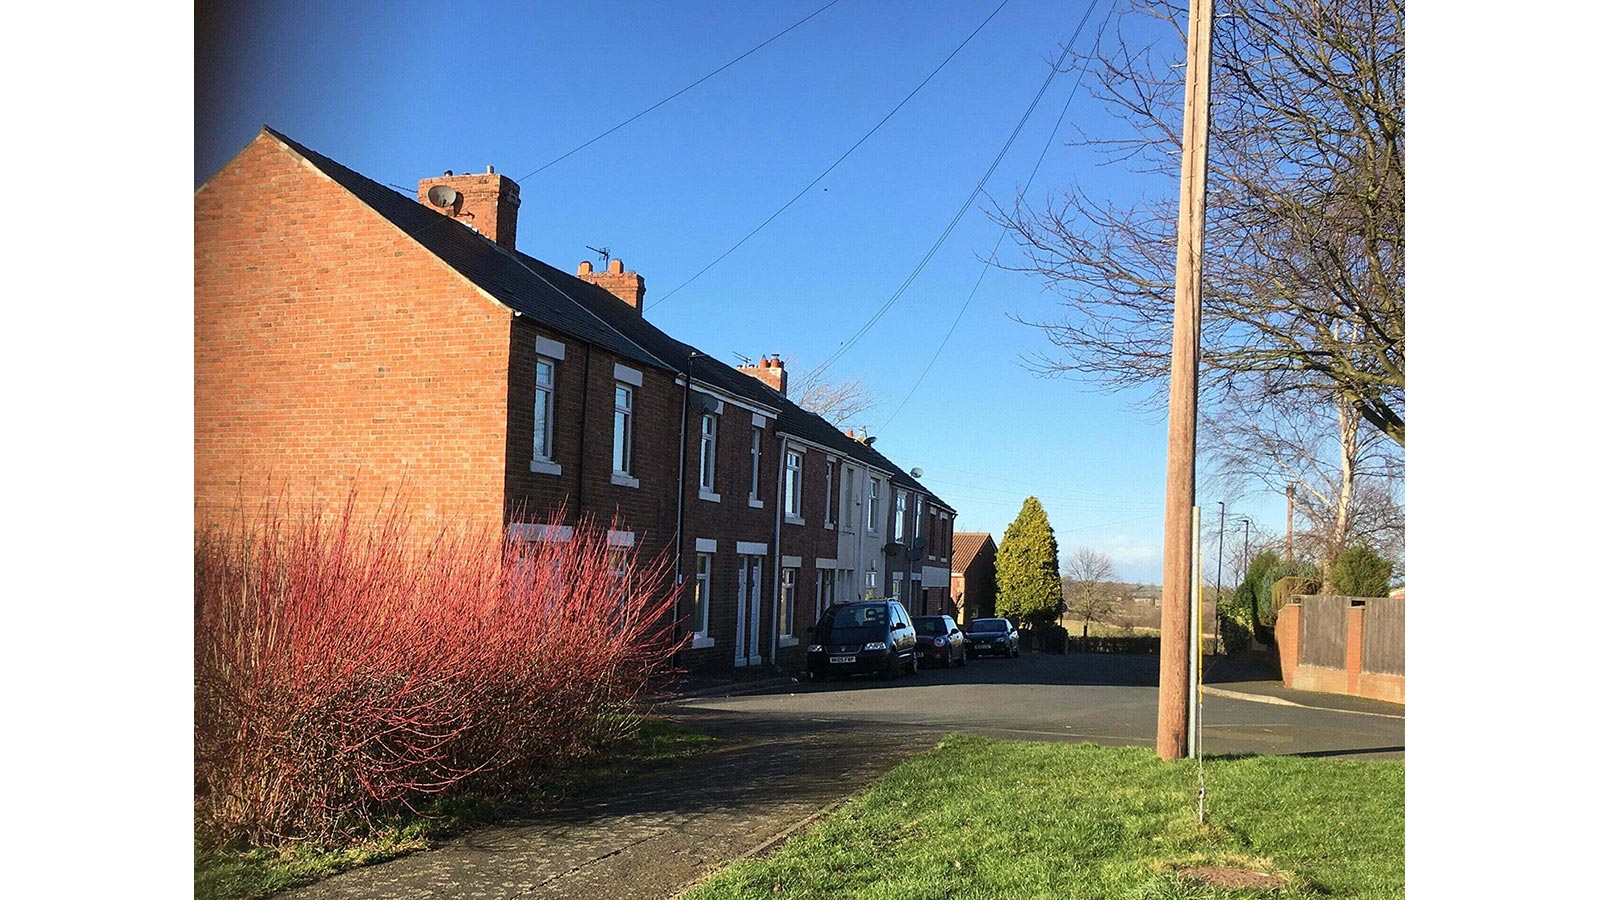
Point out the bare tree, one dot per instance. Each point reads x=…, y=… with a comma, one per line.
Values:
x=837, y=401
x=1347, y=475
x=1088, y=585
x=1304, y=290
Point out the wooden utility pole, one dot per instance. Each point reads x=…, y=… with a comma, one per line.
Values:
x=1177, y=570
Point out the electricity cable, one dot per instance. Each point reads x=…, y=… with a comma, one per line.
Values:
x=989, y=263
x=938, y=244
x=807, y=189
x=660, y=103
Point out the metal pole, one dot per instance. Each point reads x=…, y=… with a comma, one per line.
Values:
x=1177, y=579
x=1222, y=524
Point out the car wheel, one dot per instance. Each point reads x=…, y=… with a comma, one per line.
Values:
x=963, y=657
x=911, y=669
x=891, y=670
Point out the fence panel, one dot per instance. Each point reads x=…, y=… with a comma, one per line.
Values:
x=1322, y=631
x=1383, y=646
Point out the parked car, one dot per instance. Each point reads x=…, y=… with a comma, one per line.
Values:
x=940, y=640
x=992, y=637
x=871, y=636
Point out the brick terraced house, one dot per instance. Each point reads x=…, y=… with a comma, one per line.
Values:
x=348, y=336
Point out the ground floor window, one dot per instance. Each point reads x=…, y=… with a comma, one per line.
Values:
x=700, y=616
x=786, y=603
x=825, y=587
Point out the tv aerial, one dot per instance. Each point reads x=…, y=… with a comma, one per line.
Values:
x=603, y=252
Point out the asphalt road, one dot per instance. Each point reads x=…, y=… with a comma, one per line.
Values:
x=1078, y=697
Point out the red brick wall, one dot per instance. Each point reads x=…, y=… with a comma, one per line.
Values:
x=1348, y=680
x=649, y=510
x=330, y=351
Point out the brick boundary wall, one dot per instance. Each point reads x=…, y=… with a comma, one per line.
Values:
x=1349, y=680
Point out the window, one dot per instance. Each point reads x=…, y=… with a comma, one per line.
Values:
x=824, y=591
x=894, y=590
x=827, y=509
x=708, y=452
x=900, y=516
x=847, y=509
x=873, y=510
x=917, y=522
x=791, y=485
x=786, y=604
x=755, y=465
x=872, y=578
x=701, y=614
x=544, y=406
x=622, y=434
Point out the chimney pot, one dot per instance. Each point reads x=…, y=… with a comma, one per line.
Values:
x=625, y=286
x=490, y=170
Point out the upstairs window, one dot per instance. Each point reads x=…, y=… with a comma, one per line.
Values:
x=622, y=432
x=755, y=464
x=544, y=407
x=791, y=484
x=847, y=506
x=900, y=516
x=918, y=520
x=708, y=452
x=827, y=509
x=874, y=508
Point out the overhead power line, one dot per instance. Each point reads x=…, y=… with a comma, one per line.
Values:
x=883, y=310
x=807, y=189
x=988, y=263
x=678, y=93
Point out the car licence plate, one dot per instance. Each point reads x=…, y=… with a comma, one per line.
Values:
x=981, y=646
x=841, y=659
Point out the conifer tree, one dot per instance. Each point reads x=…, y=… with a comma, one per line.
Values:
x=1027, y=569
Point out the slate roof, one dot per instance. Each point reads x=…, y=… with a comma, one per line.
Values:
x=588, y=312
x=965, y=546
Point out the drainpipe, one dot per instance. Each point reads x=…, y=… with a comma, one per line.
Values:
x=583, y=428
x=777, y=537
x=683, y=464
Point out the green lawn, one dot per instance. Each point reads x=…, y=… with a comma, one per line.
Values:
x=976, y=818
x=245, y=873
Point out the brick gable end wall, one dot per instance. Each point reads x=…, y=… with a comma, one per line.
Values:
x=332, y=352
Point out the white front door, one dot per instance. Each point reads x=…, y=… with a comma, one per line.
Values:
x=747, y=636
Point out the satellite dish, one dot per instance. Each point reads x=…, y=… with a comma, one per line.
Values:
x=916, y=473
x=442, y=195
x=705, y=402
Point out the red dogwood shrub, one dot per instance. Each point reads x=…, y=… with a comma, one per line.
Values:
x=345, y=670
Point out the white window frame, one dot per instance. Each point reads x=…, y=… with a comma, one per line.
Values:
x=916, y=524
x=702, y=588
x=544, y=392
x=847, y=500
x=786, y=600
x=622, y=435
x=794, y=463
x=755, y=466
x=708, y=457
x=899, y=516
x=874, y=504
x=827, y=506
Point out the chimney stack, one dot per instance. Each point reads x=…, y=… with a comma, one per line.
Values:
x=769, y=372
x=488, y=202
x=626, y=286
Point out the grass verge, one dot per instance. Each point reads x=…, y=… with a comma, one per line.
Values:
x=976, y=818
x=247, y=873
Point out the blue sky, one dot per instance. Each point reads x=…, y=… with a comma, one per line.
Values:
x=404, y=91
